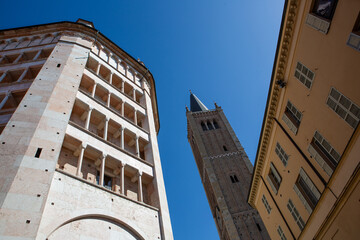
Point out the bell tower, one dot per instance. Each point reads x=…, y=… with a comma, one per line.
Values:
x=225, y=172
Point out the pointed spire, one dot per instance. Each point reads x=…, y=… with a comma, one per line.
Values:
x=195, y=104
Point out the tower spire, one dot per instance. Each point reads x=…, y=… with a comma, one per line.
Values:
x=196, y=105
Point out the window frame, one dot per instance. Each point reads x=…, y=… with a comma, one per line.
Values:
x=296, y=215
x=336, y=104
x=327, y=159
x=266, y=204
x=320, y=22
x=307, y=191
x=316, y=4
x=290, y=118
x=280, y=152
x=303, y=77
x=274, y=178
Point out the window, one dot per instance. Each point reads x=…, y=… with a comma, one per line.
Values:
x=307, y=191
x=234, y=178
x=281, y=233
x=107, y=180
x=354, y=37
x=225, y=149
x=38, y=152
x=294, y=212
x=266, y=204
x=292, y=117
x=321, y=15
x=210, y=126
x=204, y=128
x=281, y=154
x=324, y=154
x=305, y=75
x=216, y=125
x=344, y=107
x=274, y=178
x=324, y=8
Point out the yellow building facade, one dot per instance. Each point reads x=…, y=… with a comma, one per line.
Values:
x=305, y=183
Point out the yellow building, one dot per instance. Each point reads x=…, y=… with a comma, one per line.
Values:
x=306, y=178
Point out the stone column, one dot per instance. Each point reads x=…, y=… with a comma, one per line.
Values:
x=122, y=108
x=8, y=93
x=122, y=177
x=108, y=100
x=3, y=76
x=98, y=69
x=37, y=55
x=110, y=79
x=80, y=159
x=18, y=58
x=122, y=86
x=87, y=123
x=106, y=128
x=93, y=90
x=134, y=94
x=137, y=146
x=212, y=123
x=140, y=192
x=22, y=75
x=102, y=170
x=135, y=117
x=122, y=137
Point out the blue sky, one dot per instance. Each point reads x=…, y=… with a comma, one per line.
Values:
x=222, y=50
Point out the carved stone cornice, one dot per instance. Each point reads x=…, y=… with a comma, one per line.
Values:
x=287, y=32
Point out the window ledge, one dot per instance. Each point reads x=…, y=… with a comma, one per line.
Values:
x=318, y=23
x=354, y=41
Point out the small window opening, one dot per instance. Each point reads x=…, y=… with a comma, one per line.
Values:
x=58, y=65
x=258, y=226
x=38, y=152
x=210, y=126
x=325, y=8
x=225, y=149
x=232, y=179
x=203, y=126
x=236, y=179
x=216, y=125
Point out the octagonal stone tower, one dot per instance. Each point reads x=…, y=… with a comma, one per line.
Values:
x=79, y=156
x=225, y=172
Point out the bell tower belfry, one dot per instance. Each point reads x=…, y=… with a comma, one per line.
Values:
x=225, y=171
